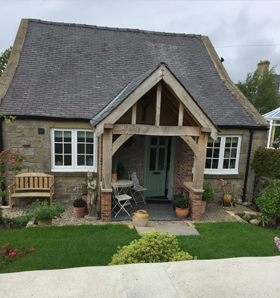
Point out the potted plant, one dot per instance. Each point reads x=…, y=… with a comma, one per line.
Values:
x=207, y=196
x=182, y=206
x=79, y=206
x=44, y=213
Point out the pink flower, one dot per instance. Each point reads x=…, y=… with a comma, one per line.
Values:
x=14, y=166
x=31, y=249
x=14, y=159
x=14, y=152
x=4, y=251
x=9, y=155
x=4, y=174
x=22, y=255
x=8, y=244
x=4, y=246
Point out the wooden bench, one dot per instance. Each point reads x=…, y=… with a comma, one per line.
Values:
x=31, y=185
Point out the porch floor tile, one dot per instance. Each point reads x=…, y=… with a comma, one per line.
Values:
x=159, y=212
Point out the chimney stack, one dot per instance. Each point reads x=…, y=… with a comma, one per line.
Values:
x=263, y=65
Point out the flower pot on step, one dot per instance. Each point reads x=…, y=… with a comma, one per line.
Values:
x=182, y=213
x=80, y=211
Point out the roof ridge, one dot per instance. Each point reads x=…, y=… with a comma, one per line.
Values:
x=115, y=29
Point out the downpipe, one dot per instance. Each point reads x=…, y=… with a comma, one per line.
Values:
x=247, y=165
x=3, y=187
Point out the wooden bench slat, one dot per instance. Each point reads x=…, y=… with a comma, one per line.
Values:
x=31, y=182
x=30, y=194
x=46, y=182
x=35, y=182
x=41, y=182
x=26, y=182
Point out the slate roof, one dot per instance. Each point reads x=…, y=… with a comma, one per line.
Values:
x=74, y=71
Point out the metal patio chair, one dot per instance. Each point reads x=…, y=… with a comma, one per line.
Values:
x=137, y=190
x=121, y=200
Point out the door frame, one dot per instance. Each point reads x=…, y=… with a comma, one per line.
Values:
x=172, y=159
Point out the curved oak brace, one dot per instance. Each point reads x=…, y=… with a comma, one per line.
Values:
x=119, y=141
x=191, y=142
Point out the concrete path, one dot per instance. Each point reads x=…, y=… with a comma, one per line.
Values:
x=178, y=230
x=226, y=278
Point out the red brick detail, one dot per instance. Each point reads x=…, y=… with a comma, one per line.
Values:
x=195, y=204
x=105, y=207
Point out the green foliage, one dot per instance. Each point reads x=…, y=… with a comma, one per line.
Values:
x=246, y=218
x=182, y=202
x=269, y=202
x=153, y=247
x=239, y=214
x=22, y=220
x=79, y=202
x=262, y=221
x=4, y=57
x=261, y=90
x=43, y=211
x=208, y=194
x=265, y=162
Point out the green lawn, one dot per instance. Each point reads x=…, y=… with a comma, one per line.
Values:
x=87, y=245
x=229, y=240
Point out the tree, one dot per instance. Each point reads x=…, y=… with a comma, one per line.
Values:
x=261, y=90
x=4, y=57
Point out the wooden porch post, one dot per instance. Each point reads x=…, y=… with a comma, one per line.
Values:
x=199, y=162
x=106, y=175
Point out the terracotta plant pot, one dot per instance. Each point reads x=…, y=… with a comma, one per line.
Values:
x=182, y=213
x=48, y=222
x=80, y=211
x=203, y=205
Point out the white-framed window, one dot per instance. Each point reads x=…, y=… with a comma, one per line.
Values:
x=73, y=150
x=222, y=155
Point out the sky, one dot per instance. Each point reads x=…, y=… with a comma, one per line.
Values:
x=242, y=32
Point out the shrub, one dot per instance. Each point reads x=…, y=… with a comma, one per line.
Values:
x=208, y=194
x=269, y=202
x=153, y=247
x=182, y=202
x=43, y=211
x=265, y=161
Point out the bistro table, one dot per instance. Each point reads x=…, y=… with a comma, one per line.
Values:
x=124, y=186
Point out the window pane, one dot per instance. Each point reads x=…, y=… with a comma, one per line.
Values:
x=89, y=160
x=233, y=152
x=58, y=136
x=226, y=164
x=81, y=136
x=67, y=160
x=208, y=163
x=215, y=164
x=209, y=152
x=161, y=159
x=153, y=140
x=227, y=152
x=153, y=153
x=217, y=143
x=58, y=160
x=232, y=163
x=81, y=148
x=210, y=143
x=89, y=138
x=234, y=142
x=58, y=148
x=81, y=160
x=67, y=136
x=67, y=148
x=228, y=142
x=89, y=149
x=216, y=152
x=162, y=140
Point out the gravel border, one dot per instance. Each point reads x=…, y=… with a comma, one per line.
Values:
x=213, y=213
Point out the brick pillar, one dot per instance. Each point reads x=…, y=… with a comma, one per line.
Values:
x=105, y=206
x=195, y=202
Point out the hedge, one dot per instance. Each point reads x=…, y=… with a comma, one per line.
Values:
x=267, y=162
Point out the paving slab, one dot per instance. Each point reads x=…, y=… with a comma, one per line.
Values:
x=224, y=278
x=178, y=230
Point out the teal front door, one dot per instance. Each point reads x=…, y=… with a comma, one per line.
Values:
x=155, y=165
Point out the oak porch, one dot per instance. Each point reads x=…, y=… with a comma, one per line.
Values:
x=124, y=120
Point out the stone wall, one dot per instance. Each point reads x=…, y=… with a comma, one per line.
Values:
x=24, y=136
x=259, y=140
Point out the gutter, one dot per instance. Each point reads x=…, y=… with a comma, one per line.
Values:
x=247, y=165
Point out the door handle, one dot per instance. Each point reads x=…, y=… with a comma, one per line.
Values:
x=156, y=173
